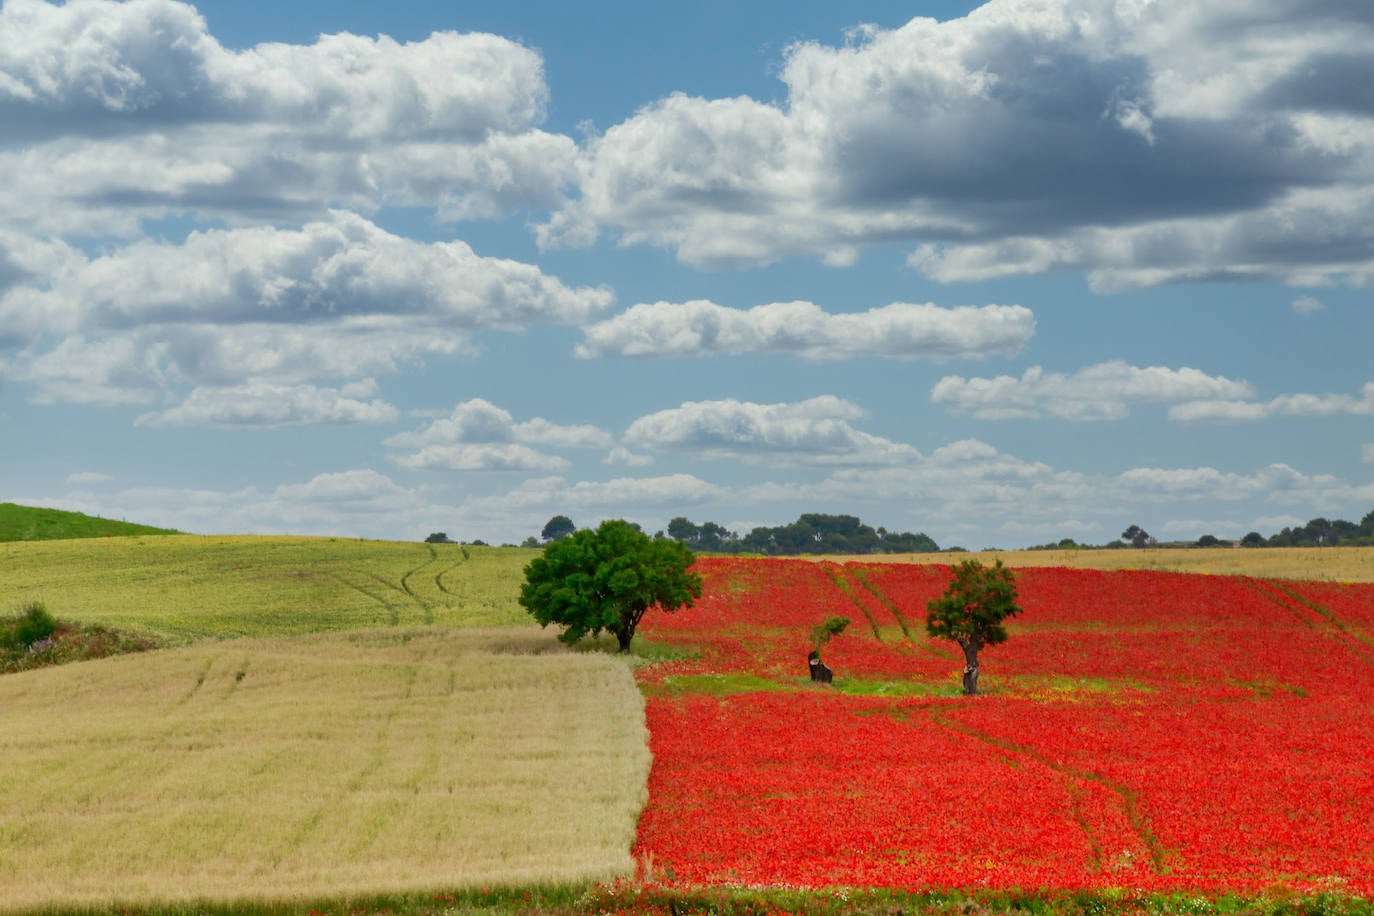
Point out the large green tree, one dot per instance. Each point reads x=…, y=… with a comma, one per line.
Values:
x=972, y=611
x=606, y=579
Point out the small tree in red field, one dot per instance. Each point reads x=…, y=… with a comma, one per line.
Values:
x=971, y=612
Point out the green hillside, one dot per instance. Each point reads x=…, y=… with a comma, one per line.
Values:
x=30, y=523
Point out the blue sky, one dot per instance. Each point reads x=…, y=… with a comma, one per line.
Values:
x=1003, y=273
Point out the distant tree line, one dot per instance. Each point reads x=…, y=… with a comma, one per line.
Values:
x=812, y=532
x=1319, y=532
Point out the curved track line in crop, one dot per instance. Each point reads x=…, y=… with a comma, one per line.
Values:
x=837, y=576
x=1130, y=803
x=439, y=576
x=1286, y=598
x=425, y=606
x=200, y=680
x=355, y=784
x=885, y=601
x=393, y=613
x=891, y=605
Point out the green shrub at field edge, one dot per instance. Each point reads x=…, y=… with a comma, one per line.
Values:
x=32, y=624
x=33, y=638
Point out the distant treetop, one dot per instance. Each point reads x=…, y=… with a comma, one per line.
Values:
x=811, y=533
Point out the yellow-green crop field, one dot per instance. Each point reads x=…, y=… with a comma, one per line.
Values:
x=182, y=588
x=339, y=718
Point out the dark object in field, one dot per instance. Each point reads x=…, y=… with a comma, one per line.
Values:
x=820, y=673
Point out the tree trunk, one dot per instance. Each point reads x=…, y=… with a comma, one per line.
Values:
x=970, y=667
x=623, y=637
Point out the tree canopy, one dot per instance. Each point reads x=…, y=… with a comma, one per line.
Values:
x=812, y=532
x=606, y=579
x=557, y=528
x=972, y=612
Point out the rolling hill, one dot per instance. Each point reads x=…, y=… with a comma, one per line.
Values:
x=32, y=523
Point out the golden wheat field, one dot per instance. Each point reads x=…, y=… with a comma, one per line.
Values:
x=333, y=764
x=1338, y=564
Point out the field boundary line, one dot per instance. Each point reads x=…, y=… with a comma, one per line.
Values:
x=1130, y=802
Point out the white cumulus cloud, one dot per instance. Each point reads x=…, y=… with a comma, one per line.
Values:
x=1105, y=391
x=478, y=435
x=1142, y=142
x=818, y=430
x=899, y=330
x=1287, y=405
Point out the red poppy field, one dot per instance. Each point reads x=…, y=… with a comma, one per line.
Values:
x=1140, y=730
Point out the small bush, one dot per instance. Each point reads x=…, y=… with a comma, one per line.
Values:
x=33, y=624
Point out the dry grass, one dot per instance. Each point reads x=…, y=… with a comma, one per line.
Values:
x=1341, y=564
x=365, y=762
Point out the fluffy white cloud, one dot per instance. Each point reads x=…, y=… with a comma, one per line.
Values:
x=1288, y=405
x=1307, y=305
x=506, y=456
x=477, y=435
x=817, y=431
x=625, y=458
x=1102, y=392
x=125, y=110
x=327, y=270
x=140, y=365
x=1274, y=483
x=899, y=330
x=361, y=502
x=339, y=299
x=260, y=404
x=1143, y=142
x=604, y=498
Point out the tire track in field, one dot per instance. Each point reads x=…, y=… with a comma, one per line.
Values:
x=837, y=576
x=439, y=576
x=425, y=606
x=862, y=578
x=1363, y=646
x=355, y=784
x=1129, y=801
x=393, y=612
x=914, y=638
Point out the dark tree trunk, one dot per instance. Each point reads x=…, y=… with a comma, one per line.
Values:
x=970, y=667
x=623, y=637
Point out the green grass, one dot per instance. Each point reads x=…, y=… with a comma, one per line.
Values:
x=185, y=588
x=29, y=523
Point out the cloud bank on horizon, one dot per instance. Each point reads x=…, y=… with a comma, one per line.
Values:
x=365, y=286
